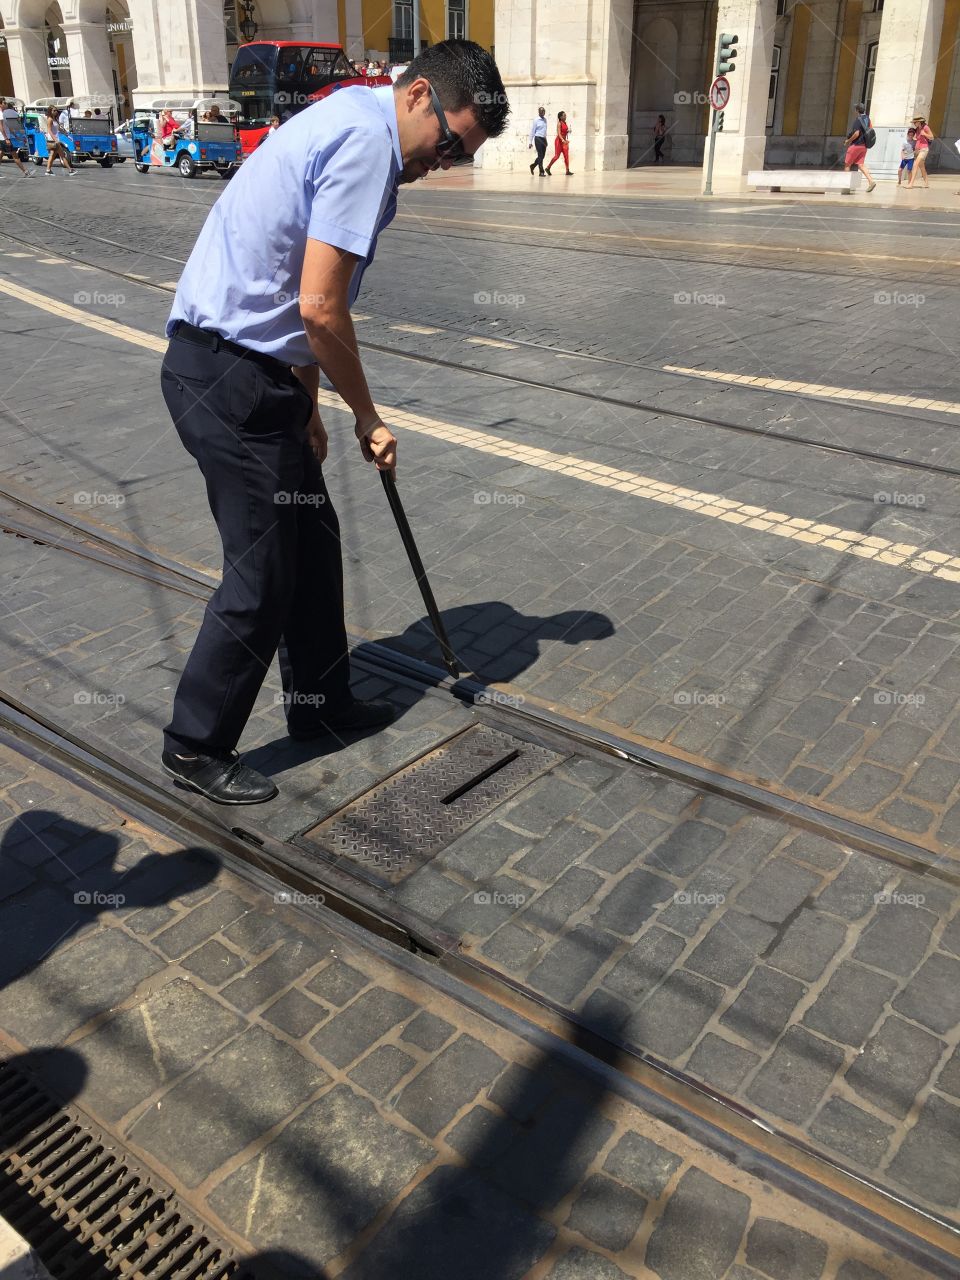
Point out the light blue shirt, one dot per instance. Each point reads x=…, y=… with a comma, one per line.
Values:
x=329, y=173
x=539, y=128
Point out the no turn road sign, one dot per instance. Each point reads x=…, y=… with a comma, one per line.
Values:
x=720, y=93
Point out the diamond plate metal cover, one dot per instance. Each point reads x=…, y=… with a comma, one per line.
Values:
x=399, y=825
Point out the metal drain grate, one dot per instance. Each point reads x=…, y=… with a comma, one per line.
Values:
x=88, y=1209
x=404, y=821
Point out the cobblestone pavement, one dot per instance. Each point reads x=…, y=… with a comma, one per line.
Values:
x=685, y=926
x=830, y=676
x=325, y=1105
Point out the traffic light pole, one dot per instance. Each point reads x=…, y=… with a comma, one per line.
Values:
x=708, y=184
x=725, y=65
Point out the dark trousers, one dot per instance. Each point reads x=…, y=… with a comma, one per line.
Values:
x=245, y=424
x=541, y=145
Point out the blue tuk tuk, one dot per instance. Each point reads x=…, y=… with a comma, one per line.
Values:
x=197, y=144
x=90, y=135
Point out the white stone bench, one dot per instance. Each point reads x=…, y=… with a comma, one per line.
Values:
x=822, y=180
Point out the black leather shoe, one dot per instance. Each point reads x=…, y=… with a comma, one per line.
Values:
x=225, y=781
x=357, y=715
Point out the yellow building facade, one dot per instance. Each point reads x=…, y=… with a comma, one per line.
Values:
x=387, y=26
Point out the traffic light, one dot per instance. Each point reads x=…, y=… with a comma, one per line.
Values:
x=718, y=126
x=726, y=52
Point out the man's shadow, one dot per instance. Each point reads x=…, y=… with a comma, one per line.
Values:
x=494, y=642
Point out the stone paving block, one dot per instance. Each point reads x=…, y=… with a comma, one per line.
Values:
x=763, y=1008
x=543, y=804
x=513, y=947
x=949, y=1079
x=850, y=1004
x=341, y=1144
x=429, y=893
x=427, y=1031
x=213, y=1114
x=201, y=923
x=481, y=1136
x=851, y=894
x=67, y=984
x=581, y=1264
x=720, y=1063
x=950, y=938
x=730, y=949
x=809, y=944
x=632, y=901
x=338, y=983
x=686, y=849
x=641, y=1164
x=896, y=939
x=669, y=1020
x=255, y=932
x=451, y=1080
x=898, y=745
x=572, y=962
x=489, y=1234
x=777, y=890
x=934, y=781
x=213, y=962
x=928, y=1162
x=552, y=909
x=895, y=1065
x=932, y=997
x=520, y=1091
x=289, y=962
x=381, y=1071
x=607, y=1213
x=674, y=1252
x=865, y=788
x=796, y=1075
x=360, y=1025
x=548, y=1159
x=296, y=1014
x=853, y=1132
x=784, y=1251
x=853, y=1270
x=485, y=850
x=628, y=842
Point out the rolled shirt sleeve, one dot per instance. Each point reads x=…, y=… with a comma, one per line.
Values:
x=351, y=191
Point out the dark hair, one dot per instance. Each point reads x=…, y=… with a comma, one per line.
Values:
x=860, y=108
x=463, y=75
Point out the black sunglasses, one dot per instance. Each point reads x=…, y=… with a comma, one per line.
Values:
x=450, y=146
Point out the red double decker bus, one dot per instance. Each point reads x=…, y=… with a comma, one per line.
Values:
x=281, y=77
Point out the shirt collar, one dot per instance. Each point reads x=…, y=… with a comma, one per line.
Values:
x=383, y=94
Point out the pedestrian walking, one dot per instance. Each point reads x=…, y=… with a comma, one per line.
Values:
x=659, y=136
x=857, y=143
x=538, y=139
x=261, y=307
x=561, y=146
x=6, y=141
x=921, y=144
x=55, y=148
x=907, y=152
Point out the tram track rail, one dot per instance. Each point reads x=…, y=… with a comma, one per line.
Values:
x=616, y=402
x=746, y=1139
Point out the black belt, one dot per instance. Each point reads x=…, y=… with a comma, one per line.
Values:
x=213, y=340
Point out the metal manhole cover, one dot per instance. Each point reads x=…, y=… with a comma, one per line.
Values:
x=402, y=823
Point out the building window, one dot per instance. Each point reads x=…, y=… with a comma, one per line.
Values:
x=870, y=68
x=878, y=6
x=781, y=8
x=774, y=86
x=456, y=19
x=403, y=19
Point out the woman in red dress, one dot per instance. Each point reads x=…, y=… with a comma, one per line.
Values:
x=561, y=146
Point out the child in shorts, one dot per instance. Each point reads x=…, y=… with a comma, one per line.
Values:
x=906, y=155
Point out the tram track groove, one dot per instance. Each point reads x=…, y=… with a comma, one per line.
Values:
x=698, y=420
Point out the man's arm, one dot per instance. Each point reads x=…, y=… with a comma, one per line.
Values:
x=325, y=311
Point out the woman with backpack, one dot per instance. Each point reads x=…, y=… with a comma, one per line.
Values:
x=921, y=149
x=860, y=138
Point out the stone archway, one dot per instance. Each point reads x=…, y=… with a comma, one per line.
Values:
x=654, y=87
